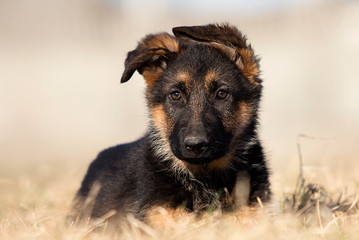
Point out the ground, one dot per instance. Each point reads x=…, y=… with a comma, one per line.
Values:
x=35, y=205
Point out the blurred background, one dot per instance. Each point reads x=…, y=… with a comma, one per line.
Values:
x=61, y=62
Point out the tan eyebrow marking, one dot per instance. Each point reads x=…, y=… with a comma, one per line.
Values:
x=210, y=76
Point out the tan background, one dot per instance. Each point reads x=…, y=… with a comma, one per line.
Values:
x=61, y=61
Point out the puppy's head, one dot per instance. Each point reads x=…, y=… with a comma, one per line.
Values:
x=202, y=90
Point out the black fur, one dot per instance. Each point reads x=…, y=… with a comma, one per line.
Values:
x=173, y=164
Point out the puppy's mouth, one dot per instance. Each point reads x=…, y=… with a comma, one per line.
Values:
x=202, y=158
x=197, y=161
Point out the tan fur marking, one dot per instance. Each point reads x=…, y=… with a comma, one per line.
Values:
x=163, y=40
x=161, y=120
x=240, y=119
x=230, y=121
x=185, y=77
x=245, y=113
x=152, y=73
x=164, y=125
x=151, y=77
x=250, y=68
x=219, y=164
x=211, y=76
x=215, y=165
x=158, y=46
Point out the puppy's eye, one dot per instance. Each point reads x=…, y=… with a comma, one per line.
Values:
x=176, y=95
x=221, y=94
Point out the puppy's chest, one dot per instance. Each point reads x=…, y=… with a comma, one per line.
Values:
x=196, y=196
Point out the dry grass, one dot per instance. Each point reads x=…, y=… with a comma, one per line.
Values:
x=35, y=206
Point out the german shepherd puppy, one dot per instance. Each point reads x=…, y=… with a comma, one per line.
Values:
x=201, y=148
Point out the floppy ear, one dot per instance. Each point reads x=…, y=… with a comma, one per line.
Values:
x=150, y=57
x=229, y=40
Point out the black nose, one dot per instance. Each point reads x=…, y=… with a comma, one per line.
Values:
x=196, y=144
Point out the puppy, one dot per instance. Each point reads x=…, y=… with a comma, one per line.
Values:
x=201, y=148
